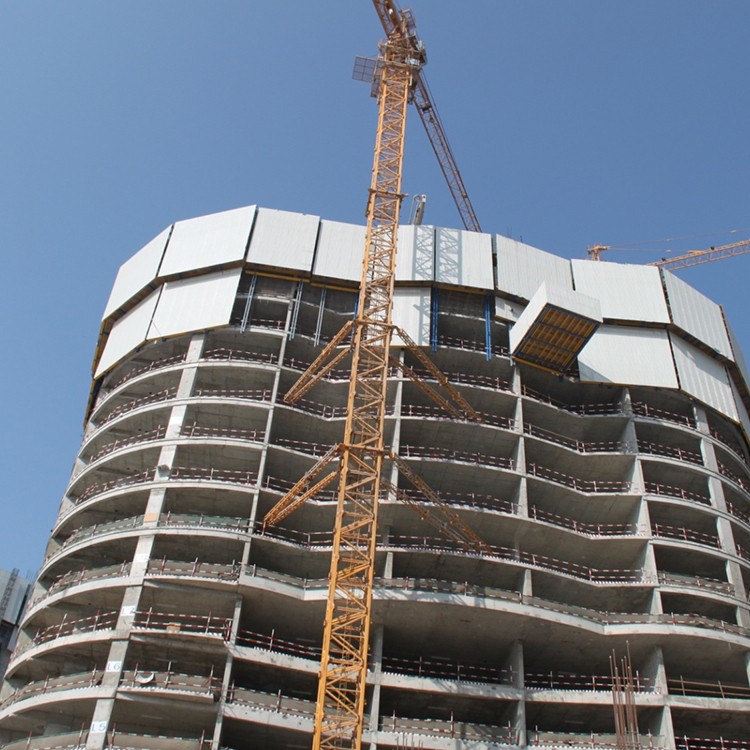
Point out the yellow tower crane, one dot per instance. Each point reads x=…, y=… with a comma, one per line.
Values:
x=358, y=460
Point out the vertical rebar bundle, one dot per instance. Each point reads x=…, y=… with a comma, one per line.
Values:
x=623, y=702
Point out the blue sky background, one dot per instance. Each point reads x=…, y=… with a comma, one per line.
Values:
x=574, y=123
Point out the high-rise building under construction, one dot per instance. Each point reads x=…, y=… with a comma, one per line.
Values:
x=613, y=501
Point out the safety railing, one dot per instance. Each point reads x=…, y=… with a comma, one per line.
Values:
x=586, y=740
x=203, y=521
x=272, y=323
x=142, y=437
x=453, y=588
x=204, y=431
x=272, y=642
x=464, y=378
x=471, y=500
x=652, y=488
x=738, y=513
x=99, y=621
x=334, y=375
x=681, y=686
x=98, y=529
x=136, y=403
x=471, y=345
x=129, y=480
x=205, y=625
x=78, y=577
x=66, y=741
x=194, y=569
x=448, y=669
x=327, y=411
x=450, y=729
x=302, y=446
x=726, y=443
x=259, y=395
x=684, y=534
x=725, y=471
x=641, y=409
x=683, y=742
x=157, y=364
x=709, y=584
x=436, y=412
x=238, y=355
x=589, y=529
x=588, y=486
x=670, y=451
x=210, y=474
x=572, y=681
x=279, y=484
x=145, y=679
x=580, y=446
x=77, y=681
x=113, y=741
x=609, y=408
x=274, y=702
x=446, y=454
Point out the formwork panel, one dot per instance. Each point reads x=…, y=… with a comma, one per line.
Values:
x=195, y=304
x=522, y=269
x=128, y=333
x=626, y=292
x=137, y=272
x=628, y=356
x=283, y=239
x=703, y=377
x=411, y=311
x=415, y=258
x=340, y=250
x=208, y=241
x=696, y=314
x=463, y=258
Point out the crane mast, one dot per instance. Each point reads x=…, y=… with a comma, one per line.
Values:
x=341, y=687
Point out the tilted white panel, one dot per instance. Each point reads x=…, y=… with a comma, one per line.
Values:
x=628, y=356
x=626, y=292
x=741, y=410
x=463, y=258
x=522, y=269
x=411, y=311
x=697, y=314
x=415, y=257
x=703, y=377
x=208, y=241
x=283, y=239
x=737, y=354
x=195, y=304
x=128, y=333
x=341, y=248
x=137, y=272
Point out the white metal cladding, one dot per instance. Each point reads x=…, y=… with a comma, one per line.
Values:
x=340, y=251
x=128, y=333
x=737, y=354
x=703, y=377
x=411, y=311
x=415, y=257
x=195, y=304
x=741, y=410
x=137, y=272
x=522, y=269
x=507, y=310
x=208, y=241
x=626, y=292
x=628, y=356
x=463, y=258
x=283, y=239
x=697, y=314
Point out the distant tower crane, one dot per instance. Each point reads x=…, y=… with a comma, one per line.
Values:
x=358, y=460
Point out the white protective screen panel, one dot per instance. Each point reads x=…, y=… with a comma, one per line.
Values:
x=628, y=356
x=741, y=410
x=626, y=292
x=283, y=239
x=703, y=377
x=128, y=333
x=137, y=272
x=697, y=314
x=737, y=354
x=208, y=241
x=463, y=258
x=415, y=257
x=411, y=311
x=195, y=304
x=522, y=269
x=341, y=248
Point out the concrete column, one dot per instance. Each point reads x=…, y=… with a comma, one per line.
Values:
x=227, y=680
x=377, y=672
x=516, y=667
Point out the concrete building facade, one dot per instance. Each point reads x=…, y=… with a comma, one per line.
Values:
x=14, y=590
x=616, y=499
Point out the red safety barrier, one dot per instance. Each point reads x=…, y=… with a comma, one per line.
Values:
x=262, y=395
x=445, y=454
x=231, y=476
x=687, y=535
x=652, y=488
x=128, y=406
x=641, y=409
x=143, y=437
x=196, y=430
x=238, y=355
x=576, y=483
x=127, y=481
x=209, y=625
x=155, y=365
x=669, y=451
x=581, y=446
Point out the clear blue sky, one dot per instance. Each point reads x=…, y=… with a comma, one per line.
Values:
x=574, y=123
